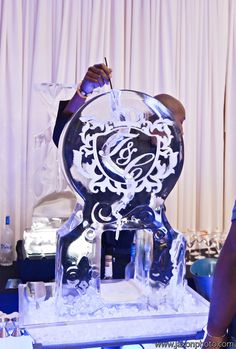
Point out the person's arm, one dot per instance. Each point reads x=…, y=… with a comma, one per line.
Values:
x=223, y=298
x=96, y=76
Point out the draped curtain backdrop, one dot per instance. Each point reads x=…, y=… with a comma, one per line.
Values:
x=186, y=48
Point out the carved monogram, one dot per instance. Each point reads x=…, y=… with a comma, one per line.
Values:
x=125, y=155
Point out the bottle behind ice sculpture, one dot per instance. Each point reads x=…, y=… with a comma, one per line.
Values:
x=130, y=267
x=108, y=267
x=7, y=244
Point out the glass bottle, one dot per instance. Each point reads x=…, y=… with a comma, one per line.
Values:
x=6, y=245
x=108, y=267
x=130, y=267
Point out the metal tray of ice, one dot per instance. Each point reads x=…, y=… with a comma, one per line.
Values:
x=122, y=319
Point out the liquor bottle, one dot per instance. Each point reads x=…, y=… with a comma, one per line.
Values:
x=6, y=244
x=130, y=267
x=108, y=267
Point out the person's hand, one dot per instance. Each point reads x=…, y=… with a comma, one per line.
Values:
x=96, y=76
x=215, y=342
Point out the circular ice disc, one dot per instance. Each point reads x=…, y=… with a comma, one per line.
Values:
x=123, y=145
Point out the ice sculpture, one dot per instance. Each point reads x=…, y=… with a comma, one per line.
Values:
x=122, y=152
